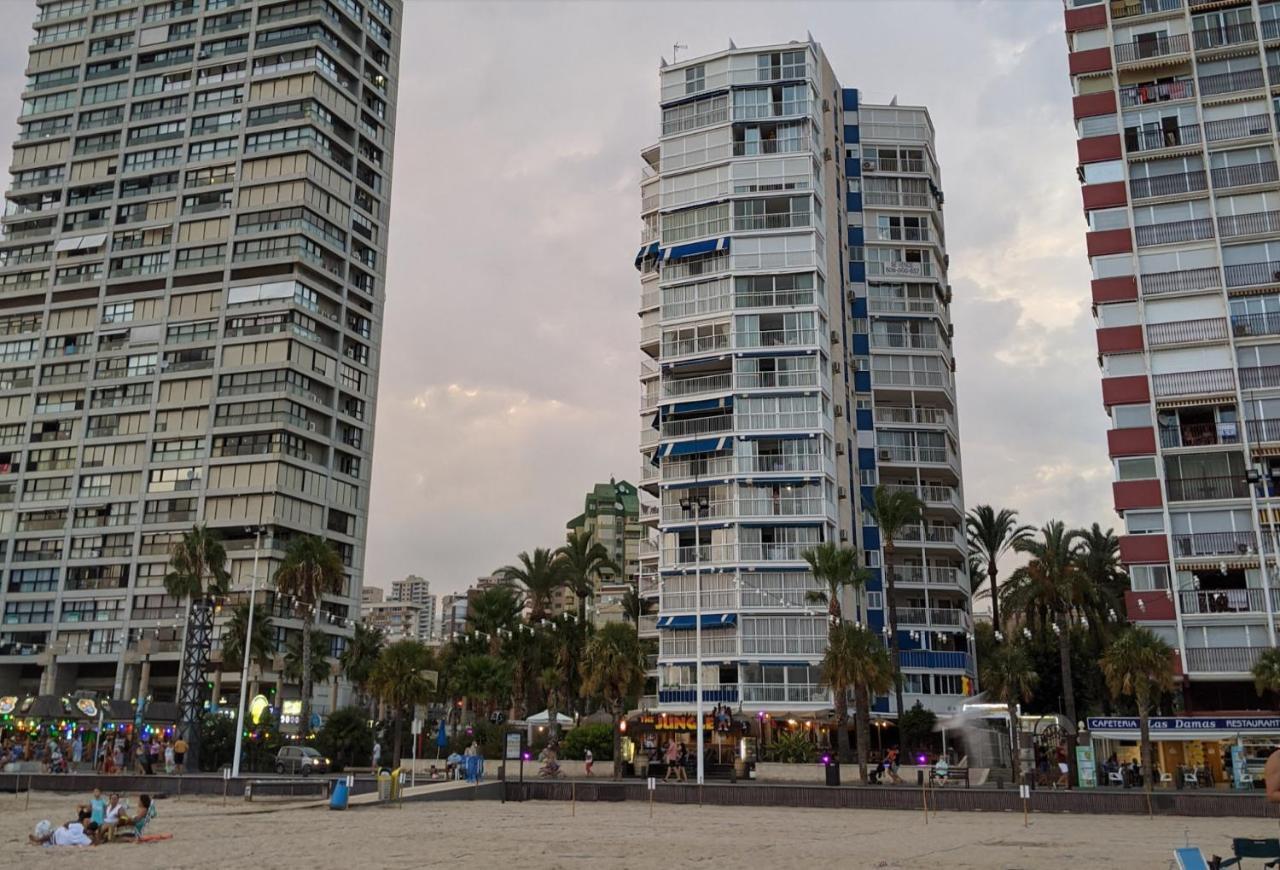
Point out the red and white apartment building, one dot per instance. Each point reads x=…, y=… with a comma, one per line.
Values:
x=1175, y=104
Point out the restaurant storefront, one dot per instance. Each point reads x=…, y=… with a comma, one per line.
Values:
x=726, y=737
x=1192, y=751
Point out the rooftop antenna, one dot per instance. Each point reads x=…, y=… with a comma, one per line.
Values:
x=675, y=51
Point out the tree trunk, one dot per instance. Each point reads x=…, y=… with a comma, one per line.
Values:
x=553, y=717
x=618, y=713
x=304, y=726
x=893, y=624
x=395, y=741
x=1144, y=743
x=861, y=700
x=995, y=596
x=841, y=695
x=1068, y=695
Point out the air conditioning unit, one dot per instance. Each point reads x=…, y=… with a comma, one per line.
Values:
x=835, y=367
x=311, y=426
x=885, y=454
x=841, y=492
x=835, y=336
x=826, y=154
x=826, y=105
x=844, y=536
x=839, y=410
x=868, y=166
x=839, y=449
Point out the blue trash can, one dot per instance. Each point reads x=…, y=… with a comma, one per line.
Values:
x=338, y=800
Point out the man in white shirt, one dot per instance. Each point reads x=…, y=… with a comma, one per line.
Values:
x=75, y=833
x=377, y=754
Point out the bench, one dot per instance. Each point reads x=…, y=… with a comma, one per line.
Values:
x=953, y=774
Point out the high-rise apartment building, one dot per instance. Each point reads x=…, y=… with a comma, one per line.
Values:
x=397, y=619
x=1177, y=148
x=611, y=514
x=796, y=335
x=416, y=590
x=191, y=290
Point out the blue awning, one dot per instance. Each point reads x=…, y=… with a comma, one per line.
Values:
x=701, y=405
x=686, y=623
x=693, y=249
x=649, y=250
x=702, y=445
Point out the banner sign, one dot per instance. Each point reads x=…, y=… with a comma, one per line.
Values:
x=1239, y=767
x=1086, y=771
x=1188, y=723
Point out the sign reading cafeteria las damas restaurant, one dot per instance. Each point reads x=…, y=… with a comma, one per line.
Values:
x=1267, y=724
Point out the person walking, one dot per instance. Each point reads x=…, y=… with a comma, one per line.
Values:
x=682, y=771
x=671, y=757
x=589, y=759
x=377, y=754
x=180, y=754
x=77, y=751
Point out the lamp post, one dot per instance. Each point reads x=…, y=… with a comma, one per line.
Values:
x=697, y=505
x=248, y=644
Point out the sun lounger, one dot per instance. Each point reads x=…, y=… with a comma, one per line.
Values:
x=1189, y=858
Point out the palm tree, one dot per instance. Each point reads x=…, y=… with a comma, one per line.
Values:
x=1009, y=677
x=551, y=680
x=197, y=571
x=1099, y=557
x=633, y=607
x=310, y=569
x=492, y=612
x=992, y=534
x=540, y=575
x=1050, y=589
x=1139, y=663
x=1266, y=673
x=583, y=562
x=856, y=658
x=481, y=681
x=402, y=677
x=836, y=568
x=262, y=645
x=360, y=655
x=612, y=668
x=318, y=661
x=894, y=510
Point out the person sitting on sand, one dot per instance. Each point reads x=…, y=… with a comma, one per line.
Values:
x=76, y=833
x=97, y=807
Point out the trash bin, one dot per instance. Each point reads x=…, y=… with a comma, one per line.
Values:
x=338, y=800
x=833, y=772
x=384, y=785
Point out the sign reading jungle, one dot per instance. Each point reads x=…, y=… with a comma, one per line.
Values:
x=1189, y=723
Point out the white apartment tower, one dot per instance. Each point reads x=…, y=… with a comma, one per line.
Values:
x=416, y=590
x=796, y=342
x=192, y=277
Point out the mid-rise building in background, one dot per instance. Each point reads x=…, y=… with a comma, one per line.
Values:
x=796, y=338
x=453, y=615
x=611, y=514
x=418, y=591
x=192, y=280
x=371, y=594
x=398, y=620
x=1177, y=160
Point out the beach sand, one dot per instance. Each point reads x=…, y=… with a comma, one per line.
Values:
x=608, y=835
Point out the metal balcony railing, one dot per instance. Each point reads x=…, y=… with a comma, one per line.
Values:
x=1199, y=435
x=1138, y=95
x=1251, y=274
x=1237, y=128
x=785, y=693
x=1172, y=232
x=1222, y=601
x=1205, y=488
x=1193, y=383
x=1259, y=377
x=1245, y=174
x=1168, y=185
x=1271, y=28
x=1229, y=34
x=1185, y=331
x=1130, y=8
x=1183, y=280
x=1152, y=46
x=712, y=693
x=1150, y=140
x=1225, y=83
x=1264, y=323
x=1214, y=544
x=1230, y=226
x=1226, y=659
x=1264, y=431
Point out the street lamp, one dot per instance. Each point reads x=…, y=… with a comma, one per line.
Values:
x=248, y=643
x=698, y=506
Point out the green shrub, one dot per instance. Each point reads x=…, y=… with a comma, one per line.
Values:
x=217, y=742
x=598, y=737
x=792, y=747
x=346, y=738
x=916, y=729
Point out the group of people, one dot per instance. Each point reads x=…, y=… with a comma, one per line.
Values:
x=1130, y=774
x=54, y=754
x=101, y=820
x=144, y=756
x=676, y=757
x=888, y=766
x=119, y=753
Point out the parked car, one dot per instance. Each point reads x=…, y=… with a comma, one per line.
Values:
x=300, y=759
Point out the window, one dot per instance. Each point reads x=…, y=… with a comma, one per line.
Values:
x=1146, y=578
x=1141, y=468
x=1130, y=416
x=212, y=150
x=695, y=79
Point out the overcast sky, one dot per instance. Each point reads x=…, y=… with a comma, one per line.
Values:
x=510, y=359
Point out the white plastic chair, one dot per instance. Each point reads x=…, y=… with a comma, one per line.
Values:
x=1114, y=778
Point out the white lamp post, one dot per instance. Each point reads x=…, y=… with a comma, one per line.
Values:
x=248, y=643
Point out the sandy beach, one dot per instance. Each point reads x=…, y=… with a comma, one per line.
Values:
x=546, y=835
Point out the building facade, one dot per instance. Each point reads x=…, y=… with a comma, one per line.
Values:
x=192, y=278
x=398, y=620
x=796, y=345
x=453, y=615
x=611, y=514
x=1177, y=149
x=417, y=590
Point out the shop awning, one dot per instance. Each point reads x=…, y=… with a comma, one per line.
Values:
x=649, y=250
x=687, y=623
x=701, y=405
x=693, y=249
x=702, y=445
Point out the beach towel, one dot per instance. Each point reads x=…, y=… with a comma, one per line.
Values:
x=154, y=838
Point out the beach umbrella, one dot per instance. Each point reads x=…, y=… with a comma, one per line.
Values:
x=442, y=739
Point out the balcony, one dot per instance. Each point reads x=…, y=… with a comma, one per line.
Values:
x=1222, y=601
x=788, y=693
x=690, y=346
x=1130, y=8
x=1259, y=377
x=1248, y=325
x=778, y=338
x=1141, y=95
x=929, y=493
x=1264, y=431
x=1173, y=232
x=766, y=111
x=937, y=617
x=1237, y=128
x=947, y=535
x=1199, y=435
x=1225, y=659
x=1210, y=382
x=711, y=694
x=1258, y=222
x=1225, y=83
x=1215, y=544
x=935, y=660
x=1137, y=141
x=1244, y=175
x=1187, y=331
x=1147, y=48
x=1230, y=34
x=1206, y=488
x=1168, y=185
x=1182, y=281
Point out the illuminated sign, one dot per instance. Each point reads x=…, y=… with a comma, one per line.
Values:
x=257, y=707
x=87, y=707
x=8, y=704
